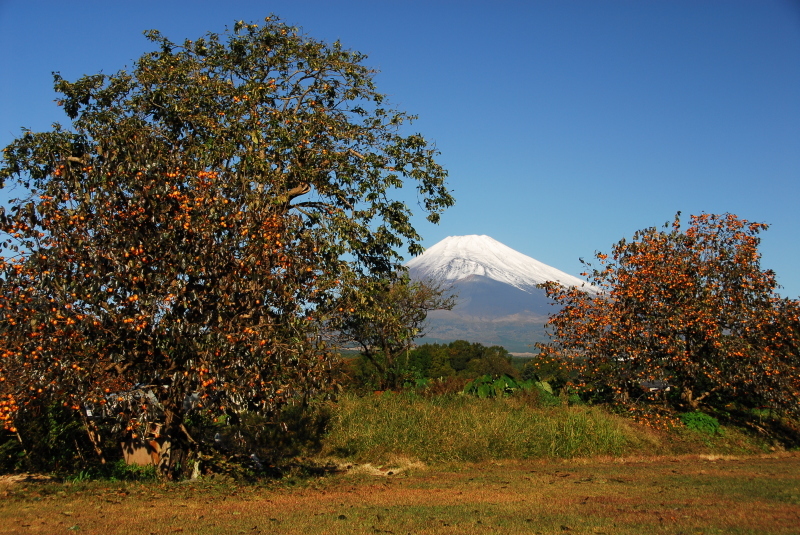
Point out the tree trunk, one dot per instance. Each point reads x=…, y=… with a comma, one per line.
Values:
x=178, y=444
x=94, y=438
x=694, y=402
x=688, y=397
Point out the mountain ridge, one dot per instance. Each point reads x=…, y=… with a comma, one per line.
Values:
x=457, y=257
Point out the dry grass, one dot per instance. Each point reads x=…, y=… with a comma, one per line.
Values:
x=686, y=494
x=452, y=428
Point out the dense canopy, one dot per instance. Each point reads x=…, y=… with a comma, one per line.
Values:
x=690, y=310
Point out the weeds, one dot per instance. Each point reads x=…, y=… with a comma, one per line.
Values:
x=116, y=471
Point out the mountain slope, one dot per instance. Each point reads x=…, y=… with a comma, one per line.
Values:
x=457, y=257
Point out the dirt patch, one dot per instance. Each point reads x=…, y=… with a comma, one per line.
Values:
x=15, y=479
x=395, y=467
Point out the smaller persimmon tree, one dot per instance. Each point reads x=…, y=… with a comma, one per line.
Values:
x=383, y=317
x=689, y=311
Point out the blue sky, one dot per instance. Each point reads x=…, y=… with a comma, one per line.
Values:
x=565, y=125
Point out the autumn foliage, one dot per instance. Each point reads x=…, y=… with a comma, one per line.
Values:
x=690, y=310
x=176, y=249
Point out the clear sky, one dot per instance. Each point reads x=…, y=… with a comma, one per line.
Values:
x=565, y=125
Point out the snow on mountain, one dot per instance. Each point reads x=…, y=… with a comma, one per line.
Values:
x=458, y=257
x=497, y=299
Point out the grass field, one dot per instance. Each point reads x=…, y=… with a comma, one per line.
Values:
x=464, y=428
x=453, y=464
x=629, y=495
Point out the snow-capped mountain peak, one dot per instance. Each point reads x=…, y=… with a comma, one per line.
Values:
x=458, y=257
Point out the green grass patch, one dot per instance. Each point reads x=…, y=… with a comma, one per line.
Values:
x=457, y=428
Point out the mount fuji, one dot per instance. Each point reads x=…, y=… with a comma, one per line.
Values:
x=498, y=301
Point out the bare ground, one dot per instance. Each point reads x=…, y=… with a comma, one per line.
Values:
x=674, y=495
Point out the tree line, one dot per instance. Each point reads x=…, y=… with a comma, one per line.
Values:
x=458, y=361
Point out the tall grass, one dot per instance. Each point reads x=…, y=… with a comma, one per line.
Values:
x=464, y=428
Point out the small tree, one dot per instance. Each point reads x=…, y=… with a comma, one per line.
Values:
x=384, y=317
x=691, y=310
x=177, y=247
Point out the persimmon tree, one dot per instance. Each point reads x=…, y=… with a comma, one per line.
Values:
x=384, y=316
x=688, y=309
x=177, y=246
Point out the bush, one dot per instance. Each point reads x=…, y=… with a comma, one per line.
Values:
x=116, y=471
x=555, y=371
x=251, y=445
x=51, y=439
x=488, y=387
x=701, y=422
x=444, y=385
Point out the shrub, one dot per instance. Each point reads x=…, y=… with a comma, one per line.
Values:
x=52, y=439
x=487, y=387
x=701, y=422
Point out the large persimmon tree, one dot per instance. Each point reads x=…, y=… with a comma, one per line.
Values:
x=177, y=246
x=690, y=309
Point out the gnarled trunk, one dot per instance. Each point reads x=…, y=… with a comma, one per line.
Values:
x=178, y=445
